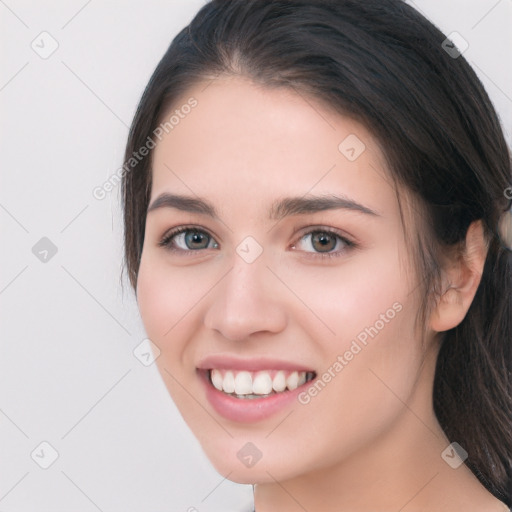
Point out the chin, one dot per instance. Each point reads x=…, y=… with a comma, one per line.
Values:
x=239, y=462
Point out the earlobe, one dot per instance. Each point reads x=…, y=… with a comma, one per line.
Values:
x=462, y=276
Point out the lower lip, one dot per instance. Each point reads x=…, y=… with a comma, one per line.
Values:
x=247, y=410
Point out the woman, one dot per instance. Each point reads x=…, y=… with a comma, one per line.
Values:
x=317, y=238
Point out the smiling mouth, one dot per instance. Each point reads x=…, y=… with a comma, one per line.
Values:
x=249, y=385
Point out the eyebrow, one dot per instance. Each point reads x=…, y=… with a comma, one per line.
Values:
x=280, y=209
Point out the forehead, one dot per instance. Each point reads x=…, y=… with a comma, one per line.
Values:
x=243, y=144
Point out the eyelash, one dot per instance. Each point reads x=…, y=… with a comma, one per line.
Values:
x=349, y=244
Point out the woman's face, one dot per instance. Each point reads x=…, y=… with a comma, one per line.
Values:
x=270, y=285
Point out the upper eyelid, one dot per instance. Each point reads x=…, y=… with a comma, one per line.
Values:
x=319, y=228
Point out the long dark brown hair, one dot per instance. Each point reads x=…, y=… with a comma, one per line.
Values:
x=383, y=64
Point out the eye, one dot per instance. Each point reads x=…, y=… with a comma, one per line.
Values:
x=324, y=241
x=187, y=239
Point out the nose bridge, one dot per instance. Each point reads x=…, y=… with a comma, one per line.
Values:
x=248, y=278
x=249, y=275
x=245, y=301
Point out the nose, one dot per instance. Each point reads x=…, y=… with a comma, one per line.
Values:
x=247, y=300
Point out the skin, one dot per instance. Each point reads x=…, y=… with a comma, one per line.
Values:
x=369, y=440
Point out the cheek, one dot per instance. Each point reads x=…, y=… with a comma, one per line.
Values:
x=359, y=299
x=163, y=298
x=166, y=299
x=152, y=299
x=358, y=395
x=363, y=327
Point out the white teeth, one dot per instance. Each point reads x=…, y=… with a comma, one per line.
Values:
x=217, y=379
x=262, y=384
x=228, y=384
x=292, y=382
x=243, y=383
x=252, y=384
x=279, y=382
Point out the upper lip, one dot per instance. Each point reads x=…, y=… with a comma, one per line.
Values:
x=253, y=364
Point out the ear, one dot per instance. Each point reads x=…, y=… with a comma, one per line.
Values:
x=461, y=276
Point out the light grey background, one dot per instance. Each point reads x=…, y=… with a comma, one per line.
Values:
x=68, y=375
